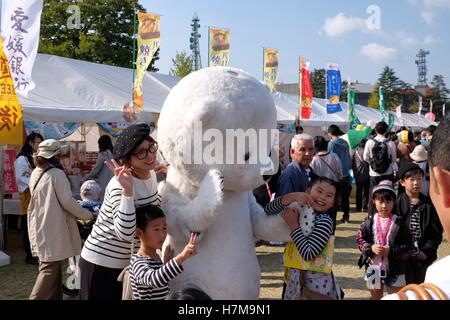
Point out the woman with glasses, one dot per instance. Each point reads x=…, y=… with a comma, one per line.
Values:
x=107, y=249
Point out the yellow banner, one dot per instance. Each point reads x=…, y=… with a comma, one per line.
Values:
x=219, y=47
x=321, y=263
x=148, y=43
x=11, y=118
x=270, y=67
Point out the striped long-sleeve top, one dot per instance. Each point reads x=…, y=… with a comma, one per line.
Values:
x=150, y=278
x=109, y=243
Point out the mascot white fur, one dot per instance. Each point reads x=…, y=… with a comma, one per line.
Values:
x=215, y=198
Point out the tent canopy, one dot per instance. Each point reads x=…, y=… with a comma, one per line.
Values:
x=69, y=90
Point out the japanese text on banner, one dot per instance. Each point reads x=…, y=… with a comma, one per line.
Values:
x=219, y=47
x=20, y=24
x=148, y=43
x=306, y=91
x=11, y=122
x=270, y=67
x=334, y=88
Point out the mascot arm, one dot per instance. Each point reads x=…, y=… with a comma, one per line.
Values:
x=184, y=215
x=267, y=227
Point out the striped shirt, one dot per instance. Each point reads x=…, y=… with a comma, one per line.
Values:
x=309, y=247
x=109, y=243
x=415, y=222
x=150, y=278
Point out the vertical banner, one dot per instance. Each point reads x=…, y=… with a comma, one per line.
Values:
x=391, y=121
x=398, y=112
x=419, y=113
x=9, y=179
x=148, y=39
x=443, y=110
x=270, y=67
x=20, y=25
x=219, y=47
x=352, y=118
x=306, y=99
x=381, y=104
x=11, y=119
x=334, y=88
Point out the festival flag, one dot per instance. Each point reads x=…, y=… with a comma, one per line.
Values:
x=352, y=118
x=11, y=120
x=381, y=104
x=398, y=112
x=306, y=94
x=334, y=88
x=20, y=25
x=218, y=47
x=431, y=106
x=148, y=39
x=391, y=121
x=270, y=67
x=443, y=110
x=419, y=113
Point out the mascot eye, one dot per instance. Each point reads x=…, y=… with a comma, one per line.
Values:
x=247, y=156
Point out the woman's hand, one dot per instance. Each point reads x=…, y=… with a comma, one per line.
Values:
x=161, y=168
x=123, y=175
x=291, y=216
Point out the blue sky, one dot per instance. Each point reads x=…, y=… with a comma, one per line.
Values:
x=322, y=31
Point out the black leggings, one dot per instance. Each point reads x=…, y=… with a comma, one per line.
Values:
x=98, y=282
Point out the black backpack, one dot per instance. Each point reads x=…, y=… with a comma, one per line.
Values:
x=360, y=168
x=380, y=157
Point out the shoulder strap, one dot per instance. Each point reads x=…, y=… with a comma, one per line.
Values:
x=39, y=179
x=337, y=175
x=421, y=292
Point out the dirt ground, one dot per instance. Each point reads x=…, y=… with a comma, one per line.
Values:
x=17, y=279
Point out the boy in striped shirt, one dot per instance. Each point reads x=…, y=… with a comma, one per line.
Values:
x=149, y=275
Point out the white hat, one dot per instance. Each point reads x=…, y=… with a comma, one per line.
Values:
x=49, y=148
x=91, y=190
x=419, y=154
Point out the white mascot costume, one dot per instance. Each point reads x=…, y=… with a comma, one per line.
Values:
x=209, y=188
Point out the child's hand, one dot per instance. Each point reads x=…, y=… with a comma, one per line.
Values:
x=188, y=251
x=300, y=197
x=168, y=253
x=386, y=250
x=291, y=216
x=377, y=249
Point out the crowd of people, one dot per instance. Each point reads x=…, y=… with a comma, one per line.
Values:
x=395, y=175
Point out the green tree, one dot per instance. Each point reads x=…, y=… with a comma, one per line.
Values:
x=182, y=64
x=318, y=83
x=104, y=34
x=393, y=89
x=438, y=93
x=374, y=98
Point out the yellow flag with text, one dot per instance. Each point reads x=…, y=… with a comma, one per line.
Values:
x=270, y=67
x=11, y=118
x=148, y=40
x=219, y=47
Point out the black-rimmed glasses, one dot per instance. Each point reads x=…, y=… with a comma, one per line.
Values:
x=143, y=153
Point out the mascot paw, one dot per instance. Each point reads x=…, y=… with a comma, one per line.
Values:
x=211, y=189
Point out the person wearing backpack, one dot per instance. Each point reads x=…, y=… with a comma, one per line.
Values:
x=381, y=154
x=361, y=173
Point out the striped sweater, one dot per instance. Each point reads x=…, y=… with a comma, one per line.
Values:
x=109, y=243
x=150, y=278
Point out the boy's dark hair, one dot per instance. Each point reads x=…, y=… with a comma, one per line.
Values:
x=439, y=153
x=384, y=195
x=363, y=142
x=381, y=128
x=318, y=180
x=147, y=213
x=335, y=131
x=431, y=129
x=320, y=143
x=412, y=172
x=189, y=293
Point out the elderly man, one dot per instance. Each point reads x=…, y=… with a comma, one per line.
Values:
x=296, y=176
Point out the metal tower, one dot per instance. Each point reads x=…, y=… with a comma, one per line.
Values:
x=194, y=40
x=422, y=67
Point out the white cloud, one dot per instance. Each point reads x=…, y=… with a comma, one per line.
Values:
x=378, y=53
x=428, y=16
x=407, y=40
x=430, y=8
x=429, y=39
x=340, y=24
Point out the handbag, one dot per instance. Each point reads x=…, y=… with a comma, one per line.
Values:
x=124, y=277
x=307, y=294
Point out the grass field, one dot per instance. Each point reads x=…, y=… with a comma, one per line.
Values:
x=17, y=279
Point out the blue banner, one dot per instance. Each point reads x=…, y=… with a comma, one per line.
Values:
x=334, y=89
x=51, y=130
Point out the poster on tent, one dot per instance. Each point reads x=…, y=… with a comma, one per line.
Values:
x=51, y=130
x=148, y=39
x=9, y=179
x=306, y=97
x=113, y=128
x=270, y=67
x=11, y=122
x=20, y=24
x=74, y=161
x=218, y=47
x=334, y=88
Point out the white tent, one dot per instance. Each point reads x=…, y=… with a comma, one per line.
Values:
x=69, y=90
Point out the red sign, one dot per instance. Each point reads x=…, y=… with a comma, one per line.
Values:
x=306, y=90
x=431, y=116
x=9, y=179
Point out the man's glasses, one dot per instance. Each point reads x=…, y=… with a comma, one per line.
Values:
x=143, y=153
